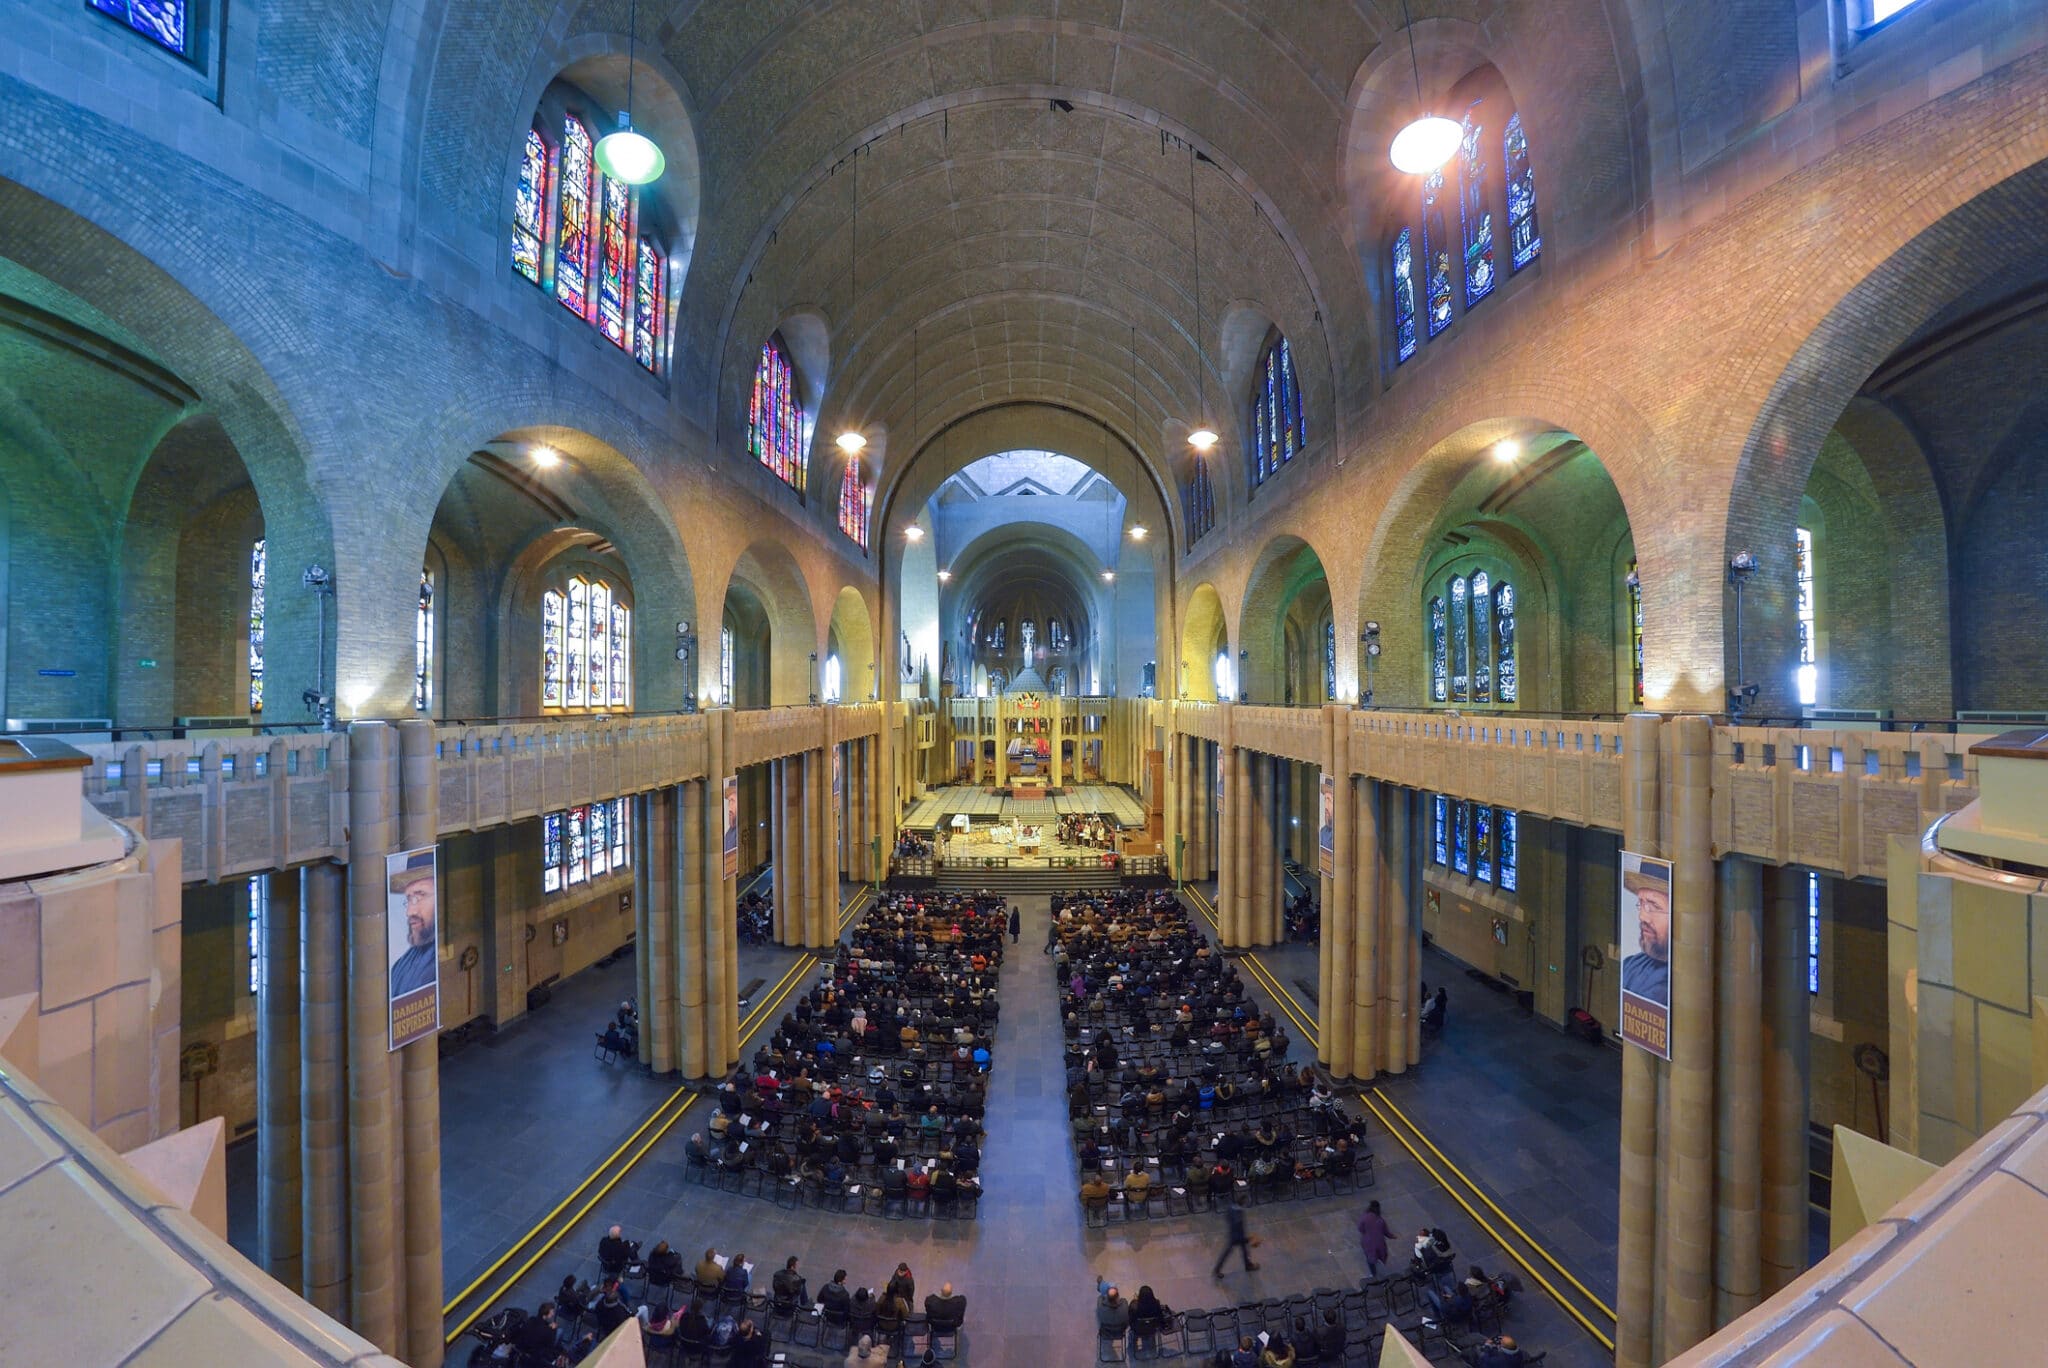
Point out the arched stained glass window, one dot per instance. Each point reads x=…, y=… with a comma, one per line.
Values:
x=1508, y=842
x=1027, y=637
x=161, y=21
x=530, y=207
x=576, y=233
x=725, y=666
x=856, y=497
x=1441, y=826
x=650, y=301
x=554, y=853
x=586, y=650
x=579, y=845
x=1475, y=213
x=775, y=417
x=1808, y=674
x=1000, y=638
x=1436, y=253
x=1278, y=430
x=597, y=822
x=259, y=572
x=1635, y=632
x=423, y=645
x=1330, y=660
x=1484, y=641
x=1506, y=679
x=1439, y=653
x=1461, y=640
x=1461, y=836
x=1524, y=242
x=1482, y=843
x=1201, y=502
x=615, y=262
x=1404, y=296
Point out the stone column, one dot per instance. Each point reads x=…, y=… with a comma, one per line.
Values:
x=280, y=1242
x=1335, y=959
x=1399, y=983
x=374, y=1185
x=1242, y=805
x=1274, y=877
x=1738, y=1092
x=323, y=1088
x=692, y=992
x=1058, y=718
x=1636, y=1278
x=786, y=882
x=1785, y=1045
x=654, y=893
x=1369, y=912
x=1208, y=810
x=817, y=844
x=720, y=925
x=1689, y=1145
x=420, y=791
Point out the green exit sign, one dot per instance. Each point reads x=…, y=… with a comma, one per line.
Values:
x=146, y=664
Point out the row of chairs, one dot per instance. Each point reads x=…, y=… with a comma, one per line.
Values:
x=856, y=1197
x=1364, y=1313
x=1168, y=1200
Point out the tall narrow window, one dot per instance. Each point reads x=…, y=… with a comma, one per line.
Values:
x=1635, y=634
x=1441, y=827
x=423, y=645
x=578, y=645
x=621, y=665
x=1201, y=501
x=530, y=208
x=775, y=416
x=1404, y=296
x=1524, y=242
x=575, y=234
x=1222, y=675
x=650, y=299
x=1461, y=640
x=1482, y=843
x=1813, y=933
x=553, y=648
x=1809, y=645
x=597, y=821
x=579, y=845
x=597, y=653
x=1278, y=430
x=259, y=908
x=1436, y=253
x=1508, y=848
x=259, y=562
x=1475, y=211
x=1330, y=661
x=1507, y=681
x=1482, y=639
x=615, y=262
x=1461, y=836
x=725, y=667
x=161, y=21
x=1439, y=653
x=834, y=678
x=554, y=858
x=856, y=496
x=622, y=831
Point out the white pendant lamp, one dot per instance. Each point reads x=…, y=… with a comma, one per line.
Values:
x=1429, y=140
x=623, y=155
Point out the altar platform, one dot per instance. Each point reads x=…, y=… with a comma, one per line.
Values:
x=985, y=807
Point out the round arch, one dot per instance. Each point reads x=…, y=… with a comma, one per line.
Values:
x=1205, y=633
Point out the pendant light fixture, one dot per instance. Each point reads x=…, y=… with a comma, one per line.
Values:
x=625, y=156
x=1202, y=437
x=852, y=440
x=1429, y=140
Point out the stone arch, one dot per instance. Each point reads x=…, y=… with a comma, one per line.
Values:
x=547, y=560
x=776, y=582
x=1205, y=631
x=1286, y=601
x=851, y=635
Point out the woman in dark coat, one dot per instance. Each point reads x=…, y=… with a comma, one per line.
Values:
x=1016, y=925
x=1372, y=1238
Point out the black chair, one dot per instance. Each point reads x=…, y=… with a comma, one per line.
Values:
x=1109, y=1345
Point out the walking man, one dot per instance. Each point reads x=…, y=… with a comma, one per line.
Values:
x=1239, y=1240
x=1016, y=925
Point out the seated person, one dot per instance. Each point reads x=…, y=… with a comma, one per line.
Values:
x=895, y=1183
x=1095, y=1192
x=1137, y=1186
x=696, y=1326
x=710, y=1273
x=946, y=1309
x=835, y=1299
x=788, y=1285
x=1149, y=1316
x=1112, y=1314
x=1501, y=1353
x=534, y=1340
x=611, y=1312
x=918, y=1184
x=614, y=1252
x=664, y=1266
x=1330, y=1337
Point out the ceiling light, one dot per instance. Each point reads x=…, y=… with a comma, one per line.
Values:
x=1203, y=439
x=1137, y=531
x=625, y=156
x=913, y=533
x=546, y=457
x=851, y=442
x=945, y=575
x=1506, y=450
x=1426, y=144
x=1108, y=576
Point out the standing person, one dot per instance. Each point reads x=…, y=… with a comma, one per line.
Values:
x=1372, y=1238
x=1016, y=925
x=1239, y=1240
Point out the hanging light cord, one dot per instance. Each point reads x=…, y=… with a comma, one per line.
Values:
x=1413, y=65
x=632, y=51
x=1201, y=357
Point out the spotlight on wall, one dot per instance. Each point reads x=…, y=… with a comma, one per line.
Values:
x=1506, y=450
x=546, y=457
x=1369, y=637
x=913, y=533
x=1741, y=567
x=1138, y=531
x=851, y=442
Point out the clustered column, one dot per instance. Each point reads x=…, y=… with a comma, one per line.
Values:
x=279, y=1227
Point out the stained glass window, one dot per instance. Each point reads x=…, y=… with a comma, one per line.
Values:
x=1813, y=933
x=835, y=678
x=1635, y=633
x=622, y=832
x=725, y=666
x=586, y=647
x=615, y=262
x=1482, y=843
x=530, y=208
x=1436, y=253
x=1440, y=825
x=1506, y=678
x=597, y=820
x=423, y=645
x=162, y=21
x=585, y=843
x=1439, y=654
x=856, y=498
x=650, y=298
x=575, y=234
x=1809, y=646
x=1461, y=836
x=1221, y=670
x=1001, y=639
x=1508, y=842
x=1330, y=660
x=1482, y=639
x=1523, y=240
x=1278, y=430
x=579, y=845
x=1027, y=636
x=259, y=908
x=775, y=416
x=1404, y=296
x=259, y=561
x=1461, y=640
x=553, y=648
x=1201, y=501
x=553, y=853
x=1475, y=213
